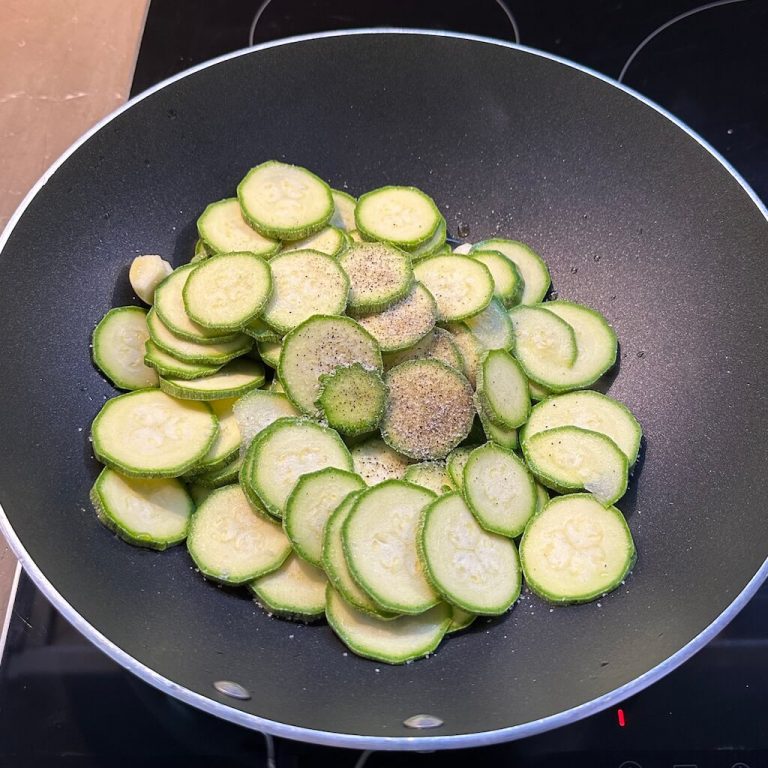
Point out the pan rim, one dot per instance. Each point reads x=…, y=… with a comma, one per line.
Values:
x=329, y=738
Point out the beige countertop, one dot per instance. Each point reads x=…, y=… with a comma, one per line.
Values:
x=64, y=64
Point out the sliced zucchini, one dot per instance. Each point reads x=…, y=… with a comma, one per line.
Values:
x=542, y=342
x=199, y=493
x=295, y=591
x=380, y=542
x=304, y=283
x=401, y=216
x=460, y=619
x=144, y=512
x=352, y=399
x=259, y=330
x=537, y=391
x=433, y=245
x=507, y=282
x=470, y=567
x=542, y=497
x=379, y=276
x=287, y=449
x=223, y=229
x=216, y=478
x=503, y=436
x=227, y=291
x=405, y=323
x=589, y=410
x=233, y=380
x=169, y=307
x=315, y=497
x=499, y=490
x=285, y=202
x=492, y=326
x=596, y=348
x=270, y=352
x=231, y=543
x=455, y=463
x=393, y=642
x=201, y=252
x=343, y=210
x=376, y=462
x=429, y=409
x=354, y=236
x=432, y=475
x=276, y=386
x=317, y=346
x=331, y=241
x=191, y=352
x=118, y=348
x=226, y=446
x=470, y=350
x=438, y=344
x=532, y=268
x=146, y=273
x=258, y=409
x=502, y=389
x=576, y=550
x=173, y=368
x=462, y=286
x=570, y=458
x=147, y=433
x=335, y=562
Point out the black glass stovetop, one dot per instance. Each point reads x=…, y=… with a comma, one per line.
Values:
x=64, y=703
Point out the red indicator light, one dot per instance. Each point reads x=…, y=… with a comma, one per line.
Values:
x=621, y=718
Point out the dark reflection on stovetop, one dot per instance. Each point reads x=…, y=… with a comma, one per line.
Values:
x=63, y=702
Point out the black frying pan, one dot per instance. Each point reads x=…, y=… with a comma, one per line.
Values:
x=635, y=215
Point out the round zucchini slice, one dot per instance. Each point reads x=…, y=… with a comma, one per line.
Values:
x=432, y=475
x=429, y=409
x=470, y=350
x=258, y=409
x=438, y=344
x=233, y=380
x=376, y=462
x=380, y=542
x=502, y=389
x=352, y=399
x=147, y=433
x=172, y=368
x=576, y=550
x=470, y=567
x=145, y=512
x=401, y=216
x=295, y=591
x=508, y=284
x=119, y=345
x=532, y=268
x=395, y=641
x=331, y=241
x=569, y=458
x=231, y=543
x=226, y=446
x=223, y=229
x=462, y=286
x=285, y=202
x=492, y=326
x=379, y=276
x=405, y=323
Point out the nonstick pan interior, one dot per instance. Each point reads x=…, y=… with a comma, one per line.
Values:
x=634, y=217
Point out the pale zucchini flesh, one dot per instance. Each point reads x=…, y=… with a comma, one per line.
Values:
x=257, y=329
x=343, y=210
x=294, y=591
x=376, y=462
x=257, y=410
x=506, y=437
x=226, y=446
x=570, y=458
x=171, y=367
x=304, y=283
x=438, y=344
x=380, y=538
x=284, y=202
x=216, y=478
x=499, y=490
x=461, y=286
x=330, y=240
x=433, y=245
x=287, y=449
x=223, y=229
x=118, y=348
x=470, y=567
x=147, y=433
x=576, y=550
x=233, y=380
x=429, y=409
x=227, y=291
x=455, y=463
x=270, y=352
x=405, y=323
x=507, y=282
x=318, y=346
x=393, y=642
x=402, y=216
x=470, y=350
x=589, y=410
x=352, y=399
x=460, y=619
x=145, y=512
x=432, y=475
x=492, y=326
x=315, y=497
x=532, y=268
x=502, y=389
x=231, y=543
